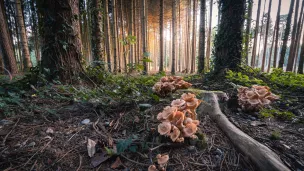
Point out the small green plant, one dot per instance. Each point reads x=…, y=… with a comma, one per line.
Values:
x=275, y=135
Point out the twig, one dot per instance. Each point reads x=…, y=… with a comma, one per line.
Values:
x=133, y=161
x=3, y=142
x=75, y=134
x=80, y=162
x=199, y=164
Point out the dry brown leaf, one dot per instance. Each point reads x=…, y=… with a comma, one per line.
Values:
x=91, y=147
x=116, y=164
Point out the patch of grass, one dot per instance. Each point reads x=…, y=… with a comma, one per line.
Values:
x=275, y=135
x=243, y=79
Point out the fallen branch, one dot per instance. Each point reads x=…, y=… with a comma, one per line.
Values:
x=6, y=136
x=259, y=154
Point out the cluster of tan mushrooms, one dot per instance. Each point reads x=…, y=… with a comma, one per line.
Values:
x=254, y=98
x=179, y=119
x=169, y=84
x=162, y=160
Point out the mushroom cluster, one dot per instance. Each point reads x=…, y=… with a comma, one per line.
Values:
x=254, y=98
x=162, y=160
x=169, y=84
x=179, y=120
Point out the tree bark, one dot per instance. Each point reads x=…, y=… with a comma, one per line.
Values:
x=298, y=37
x=107, y=33
x=301, y=62
x=201, y=49
x=161, y=36
x=173, y=36
x=61, y=53
x=24, y=41
x=266, y=36
x=6, y=46
x=256, y=32
x=113, y=23
x=277, y=35
x=97, y=36
x=271, y=48
x=194, y=37
x=144, y=36
x=35, y=32
x=293, y=39
x=248, y=27
x=228, y=51
x=259, y=154
x=208, y=51
x=286, y=35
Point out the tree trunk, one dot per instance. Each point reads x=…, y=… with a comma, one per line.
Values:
x=97, y=35
x=144, y=36
x=286, y=35
x=301, y=62
x=266, y=35
x=123, y=36
x=61, y=53
x=272, y=43
x=6, y=46
x=35, y=32
x=256, y=32
x=188, y=56
x=173, y=36
x=277, y=35
x=260, y=40
x=24, y=41
x=248, y=27
x=201, y=49
x=228, y=51
x=293, y=39
x=193, y=38
x=107, y=33
x=161, y=36
x=208, y=51
x=298, y=37
x=113, y=23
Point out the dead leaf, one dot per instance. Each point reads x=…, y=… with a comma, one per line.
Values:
x=136, y=119
x=49, y=130
x=99, y=158
x=116, y=164
x=91, y=147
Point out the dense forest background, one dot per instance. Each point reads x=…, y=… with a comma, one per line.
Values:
x=151, y=35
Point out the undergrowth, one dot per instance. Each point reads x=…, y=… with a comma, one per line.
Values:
x=282, y=115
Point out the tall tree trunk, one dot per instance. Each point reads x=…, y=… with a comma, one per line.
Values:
x=62, y=59
x=286, y=34
x=6, y=46
x=35, y=32
x=173, y=36
x=97, y=36
x=107, y=33
x=262, y=26
x=256, y=32
x=208, y=51
x=193, y=38
x=180, y=37
x=277, y=35
x=118, y=26
x=144, y=36
x=24, y=42
x=188, y=56
x=123, y=36
x=301, y=62
x=298, y=37
x=161, y=36
x=272, y=43
x=293, y=39
x=266, y=35
x=131, y=31
x=113, y=23
x=228, y=51
x=201, y=49
x=248, y=27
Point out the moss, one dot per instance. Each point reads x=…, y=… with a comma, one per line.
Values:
x=275, y=135
x=283, y=115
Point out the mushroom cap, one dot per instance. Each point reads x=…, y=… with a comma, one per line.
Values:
x=175, y=133
x=190, y=129
x=152, y=168
x=242, y=89
x=180, y=139
x=272, y=97
x=189, y=120
x=157, y=87
x=188, y=97
x=193, y=104
x=162, y=159
x=178, y=119
x=167, y=86
x=178, y=103
x=164, y=128
x=166, y=113
x=263, y=92
x=177, y=78
x=264, y=101
x=164, y=79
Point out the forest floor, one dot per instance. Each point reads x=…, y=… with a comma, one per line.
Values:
x=52, y=134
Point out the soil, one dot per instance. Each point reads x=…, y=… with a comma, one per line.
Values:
x=56, y=140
